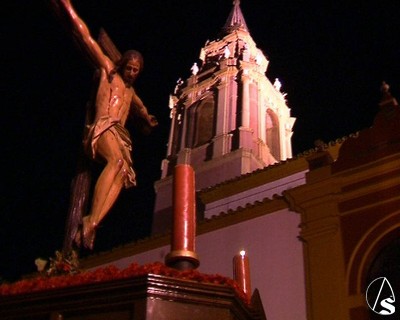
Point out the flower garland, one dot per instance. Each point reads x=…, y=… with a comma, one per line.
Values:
x=111, y=272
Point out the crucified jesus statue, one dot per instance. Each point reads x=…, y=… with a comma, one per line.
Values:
x=106, y=139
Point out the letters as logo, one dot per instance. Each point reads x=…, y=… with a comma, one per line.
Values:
x=380, y=296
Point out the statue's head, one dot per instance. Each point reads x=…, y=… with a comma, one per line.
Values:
x=130, y=65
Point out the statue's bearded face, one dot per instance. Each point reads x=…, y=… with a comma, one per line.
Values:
x=131, y=71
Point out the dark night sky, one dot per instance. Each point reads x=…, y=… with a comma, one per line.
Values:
x=330, y=56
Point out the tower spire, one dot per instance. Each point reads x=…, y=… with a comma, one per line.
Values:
x=235, y=19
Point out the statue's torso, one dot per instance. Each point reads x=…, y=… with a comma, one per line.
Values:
x=113, y=98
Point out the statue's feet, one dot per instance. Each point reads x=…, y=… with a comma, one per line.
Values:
x=88, y=232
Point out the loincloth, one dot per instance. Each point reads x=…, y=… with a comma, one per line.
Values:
x=122, y=136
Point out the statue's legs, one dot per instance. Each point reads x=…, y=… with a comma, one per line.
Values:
x=108, y=185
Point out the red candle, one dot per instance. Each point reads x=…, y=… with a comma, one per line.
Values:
x=184, y=206
x=241, y=272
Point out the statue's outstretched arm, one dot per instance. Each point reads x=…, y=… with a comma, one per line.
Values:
x=82, y=35
x=140, y=110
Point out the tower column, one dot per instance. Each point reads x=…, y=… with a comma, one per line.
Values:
x=245, y=100
x=227, y=97
x=173, y=125
x=245, y=131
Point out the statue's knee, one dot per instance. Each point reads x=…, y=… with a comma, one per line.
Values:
x=122, y=169
x=116, y=165
x=124, y=173
x=120, y=163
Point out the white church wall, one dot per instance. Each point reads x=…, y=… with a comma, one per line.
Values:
x=275, y=254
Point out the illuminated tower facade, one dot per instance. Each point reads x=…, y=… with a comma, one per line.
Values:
x=227, y=118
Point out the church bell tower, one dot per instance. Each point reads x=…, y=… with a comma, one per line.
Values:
x=227, y=118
